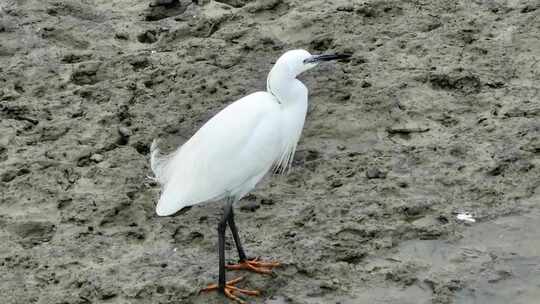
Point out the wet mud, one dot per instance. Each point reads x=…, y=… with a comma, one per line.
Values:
x=436, y=113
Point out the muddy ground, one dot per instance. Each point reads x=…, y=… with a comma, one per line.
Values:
x=436, y=113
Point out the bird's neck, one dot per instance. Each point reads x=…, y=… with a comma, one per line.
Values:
x=284, y=86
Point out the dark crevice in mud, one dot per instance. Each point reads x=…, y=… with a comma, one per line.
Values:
x=463, y=84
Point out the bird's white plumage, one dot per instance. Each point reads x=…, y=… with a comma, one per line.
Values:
x=233, y=151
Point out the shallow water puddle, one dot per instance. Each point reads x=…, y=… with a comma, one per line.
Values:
x=494, y=262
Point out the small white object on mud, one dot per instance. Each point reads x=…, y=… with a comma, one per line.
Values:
x=466, y=217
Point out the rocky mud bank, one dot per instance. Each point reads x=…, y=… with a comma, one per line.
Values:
x=436, y=113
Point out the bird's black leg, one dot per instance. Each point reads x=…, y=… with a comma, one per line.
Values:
x=236, y=237
x=222, y=226
x=227, y=288
x=252, y=264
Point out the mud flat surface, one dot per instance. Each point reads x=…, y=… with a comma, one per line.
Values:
x=436, y=113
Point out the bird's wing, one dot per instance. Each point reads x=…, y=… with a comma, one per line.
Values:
x=238, y=144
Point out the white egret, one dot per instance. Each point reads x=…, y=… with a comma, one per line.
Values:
x=234, y=150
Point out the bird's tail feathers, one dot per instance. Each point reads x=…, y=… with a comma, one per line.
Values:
x=158, y=162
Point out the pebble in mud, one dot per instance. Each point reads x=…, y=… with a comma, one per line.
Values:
x=96, y=157
x=149, y=36
x=121, y=36
x=372, y=173
x=124, y=133
x=86, y=73
x=336, y=183
x=250, y=206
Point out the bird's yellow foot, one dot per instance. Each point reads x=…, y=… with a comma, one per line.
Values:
x=254, y=265
x=230, y=290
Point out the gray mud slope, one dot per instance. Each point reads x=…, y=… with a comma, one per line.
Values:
x=437, y=112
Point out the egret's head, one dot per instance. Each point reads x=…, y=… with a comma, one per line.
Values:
x=299, y=61
x=291, y=64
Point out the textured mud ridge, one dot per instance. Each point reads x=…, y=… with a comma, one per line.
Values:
x=436, y=113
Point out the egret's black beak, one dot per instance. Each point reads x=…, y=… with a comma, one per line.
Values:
x=318, y=58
